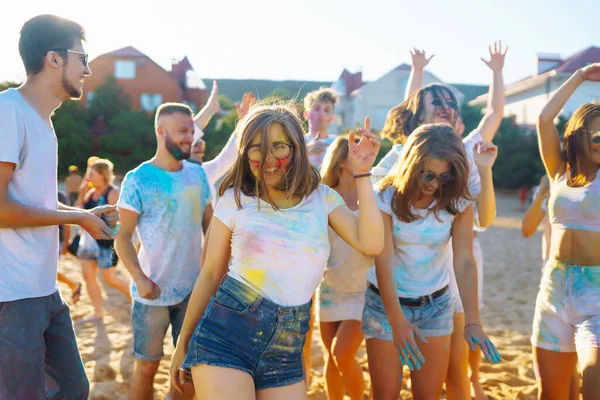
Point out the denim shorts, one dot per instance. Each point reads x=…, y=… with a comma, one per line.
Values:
x=150, y=324
x=106, y=257
x=242, y=330
x=434, y=318
x=567, y=308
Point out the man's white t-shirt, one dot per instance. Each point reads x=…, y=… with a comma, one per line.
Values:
x=28, y=256
x=171, y=209
x=281, y=254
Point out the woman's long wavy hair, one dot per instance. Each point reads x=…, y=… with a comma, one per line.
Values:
x=433, y=141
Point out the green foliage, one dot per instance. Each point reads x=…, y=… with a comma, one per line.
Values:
x=109, y=101
x=131, y=140
x=8, y=84
x=217, y=133
x=518, y=161
x=73, y=134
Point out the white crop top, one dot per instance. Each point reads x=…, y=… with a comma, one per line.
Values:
x=575, y=207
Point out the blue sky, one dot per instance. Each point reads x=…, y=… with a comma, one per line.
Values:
x=316, y=39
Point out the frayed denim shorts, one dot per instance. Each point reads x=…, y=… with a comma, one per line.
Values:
x=242, y=330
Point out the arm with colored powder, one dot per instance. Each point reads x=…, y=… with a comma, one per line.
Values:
x=466, y=278
x=403, y=331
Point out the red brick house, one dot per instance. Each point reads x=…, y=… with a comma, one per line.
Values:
x=146, y=82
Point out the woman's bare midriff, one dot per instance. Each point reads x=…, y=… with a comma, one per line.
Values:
x=575, y=247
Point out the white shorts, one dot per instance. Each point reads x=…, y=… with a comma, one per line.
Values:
x=567, y=308
x=457, y=303
x=335, y=306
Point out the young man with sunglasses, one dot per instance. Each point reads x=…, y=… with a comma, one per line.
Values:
x=38, y=349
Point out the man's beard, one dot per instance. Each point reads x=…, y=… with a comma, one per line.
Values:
x=71, y=90
x=175, y=149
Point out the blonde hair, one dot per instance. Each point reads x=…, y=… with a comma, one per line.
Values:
x=301, y=178
x=336, y=154
x=577, y=144
x=432, y=141
x=321, y=94
x=105, y=168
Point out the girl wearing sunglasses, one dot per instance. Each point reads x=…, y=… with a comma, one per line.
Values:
x=566, y=325
x=408, y=314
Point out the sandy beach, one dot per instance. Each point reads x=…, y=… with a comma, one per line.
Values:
x=511, y=278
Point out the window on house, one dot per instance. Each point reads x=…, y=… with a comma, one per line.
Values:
x=150, y=102
x=124, y=69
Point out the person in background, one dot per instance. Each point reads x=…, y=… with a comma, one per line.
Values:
x=72, y=183
x=64, y=235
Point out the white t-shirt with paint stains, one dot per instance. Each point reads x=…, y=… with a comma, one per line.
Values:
x=421, y=251
x=281, y=254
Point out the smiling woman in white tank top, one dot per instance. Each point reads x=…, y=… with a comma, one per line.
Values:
x=566, y=324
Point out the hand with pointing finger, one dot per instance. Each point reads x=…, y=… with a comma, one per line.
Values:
x=361, y=155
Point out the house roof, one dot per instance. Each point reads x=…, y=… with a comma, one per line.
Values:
x=179, y=69
x=128, y=51
x=567, y=67
x=403, y=67
x=351, y=81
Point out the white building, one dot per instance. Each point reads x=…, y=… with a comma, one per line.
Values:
x=526, y=98
x=374, y=99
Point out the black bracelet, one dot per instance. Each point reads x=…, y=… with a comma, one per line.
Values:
x=362, y=175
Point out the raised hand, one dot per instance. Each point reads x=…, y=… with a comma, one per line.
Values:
x=419, y=59
x=485, y=154
x=213, y=102
x=475, y=336
x=591, y=72
x=361, y=155
x=496, y=62
x=247, y=101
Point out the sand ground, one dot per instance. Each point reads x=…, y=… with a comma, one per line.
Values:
x=511, y=278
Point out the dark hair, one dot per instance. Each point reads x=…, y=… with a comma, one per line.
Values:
x=172, y=108
x=43, y=33
x=403, y=119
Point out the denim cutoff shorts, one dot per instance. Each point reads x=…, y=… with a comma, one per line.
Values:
x=242, y=330
x=434, y=317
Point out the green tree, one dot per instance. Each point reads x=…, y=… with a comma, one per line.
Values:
x=109, y=101
x=73, y=135
x=8, y=84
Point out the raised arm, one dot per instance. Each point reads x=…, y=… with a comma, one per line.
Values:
x=548, y=138
x=216, y=258
x=535, y=213
x=466, y=278
x=415, y=80
x=495, y=108
x=365, y=232
x=485, y=154
x=218, y=166
x=211, y=108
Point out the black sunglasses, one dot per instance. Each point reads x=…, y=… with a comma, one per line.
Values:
x=440, y=103
x=429, y=176
x=596, y=137
x=84, y=60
